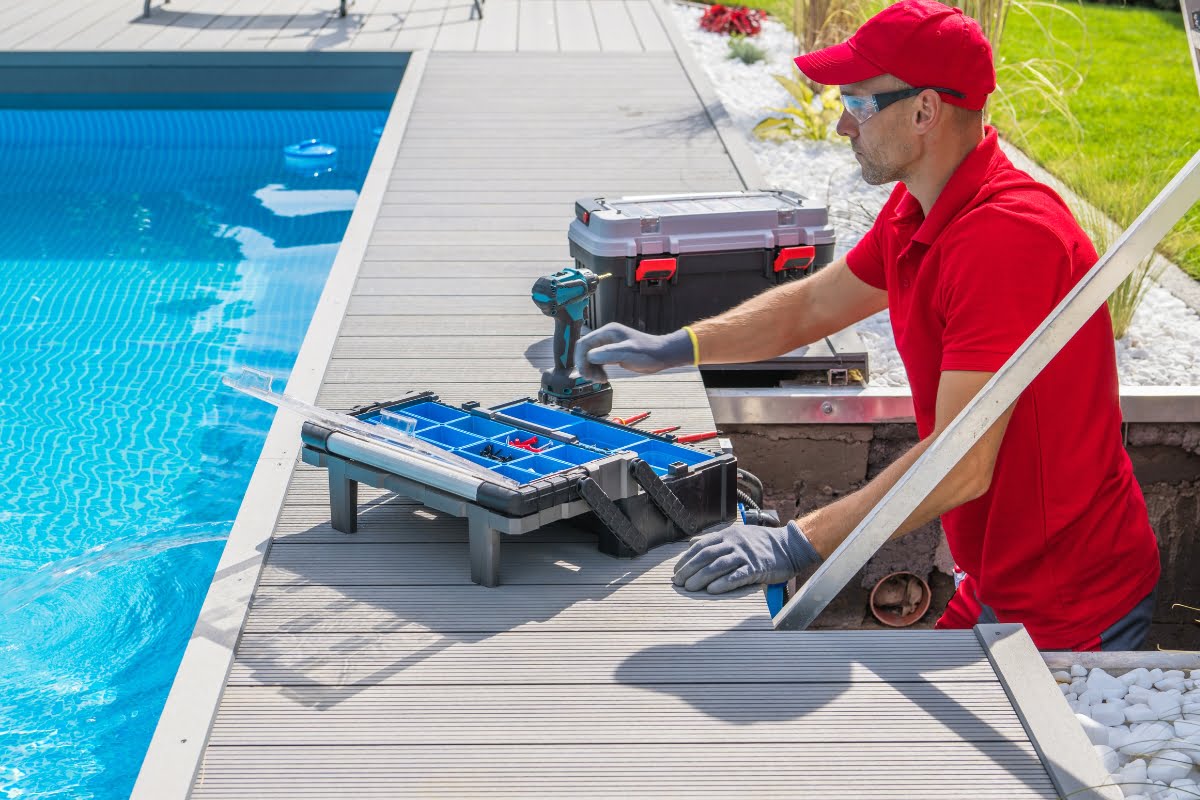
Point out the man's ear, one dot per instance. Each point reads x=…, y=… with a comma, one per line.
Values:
x=929, y=108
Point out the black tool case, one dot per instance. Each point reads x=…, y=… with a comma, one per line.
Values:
x=636, y=490
x=678, y=258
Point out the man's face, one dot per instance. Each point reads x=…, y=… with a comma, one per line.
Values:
x=884, y=144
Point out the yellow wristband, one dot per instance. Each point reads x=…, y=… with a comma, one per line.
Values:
x=695, y=346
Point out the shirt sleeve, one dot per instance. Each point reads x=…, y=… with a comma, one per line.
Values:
x=865, y=259
x=1001, y=276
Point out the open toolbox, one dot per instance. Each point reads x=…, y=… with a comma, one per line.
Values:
x=533, y=464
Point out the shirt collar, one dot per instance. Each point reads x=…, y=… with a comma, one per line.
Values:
x=959, y=191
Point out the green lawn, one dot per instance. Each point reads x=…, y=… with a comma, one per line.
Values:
x=1138, y=106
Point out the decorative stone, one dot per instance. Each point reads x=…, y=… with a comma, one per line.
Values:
x=1184, y=727
x=1094, y=730
x=1108, y=757
x=1064, y=688
x=1080, y=672
x=1166, y=706
x=1156, y=674
x=1192, y=748
x=1092, y=697
x=1148, y=738
x=1079, y=686
x=1136, y=677
x=1137, y=694
x=1133, y=774
x=1072, y=697
x=1169, y=685
x=1140, y=713
x=1108, y=686
x=1108, y=715
x=1169, y=765
x=1186, y=787
x=1061, y=676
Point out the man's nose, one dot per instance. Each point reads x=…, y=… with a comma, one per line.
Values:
x=847, y=125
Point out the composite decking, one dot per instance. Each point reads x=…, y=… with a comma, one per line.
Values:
x=369, y=665
x=609, y=26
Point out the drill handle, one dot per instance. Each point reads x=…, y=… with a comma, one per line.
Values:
x=566, y=333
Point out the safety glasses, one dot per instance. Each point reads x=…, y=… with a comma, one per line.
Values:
x=864, y=106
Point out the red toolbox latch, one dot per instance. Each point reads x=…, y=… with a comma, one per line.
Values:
x=795, y=257
x=656, y=269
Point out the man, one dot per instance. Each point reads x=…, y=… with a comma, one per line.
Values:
x=1043, y=516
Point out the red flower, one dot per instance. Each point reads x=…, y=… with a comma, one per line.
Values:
x=722, y=19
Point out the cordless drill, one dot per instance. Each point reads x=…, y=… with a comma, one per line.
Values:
x=565, y=296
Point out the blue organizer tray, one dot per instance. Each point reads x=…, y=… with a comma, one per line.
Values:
x=565, y=439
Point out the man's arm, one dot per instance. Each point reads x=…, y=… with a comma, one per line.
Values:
x=739, y=554
x=788, y=316
x=828, y=527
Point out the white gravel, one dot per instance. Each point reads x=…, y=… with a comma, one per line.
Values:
x=1144, y=725
x=1162, y=347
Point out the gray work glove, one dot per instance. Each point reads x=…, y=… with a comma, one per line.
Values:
x=742, y=555
x=634, y=350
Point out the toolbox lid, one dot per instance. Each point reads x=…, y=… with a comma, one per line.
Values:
x=698, y=223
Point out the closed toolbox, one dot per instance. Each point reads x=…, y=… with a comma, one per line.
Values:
x=636, y=490
x=679, y=258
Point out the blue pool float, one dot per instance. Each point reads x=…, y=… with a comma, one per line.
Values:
x=311, y=154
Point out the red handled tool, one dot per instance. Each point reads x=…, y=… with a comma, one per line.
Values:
x=527, y=445
x=631, y=420
x=697, y=437
x=671, y=429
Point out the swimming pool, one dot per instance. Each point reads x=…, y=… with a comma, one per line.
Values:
x=143, y=254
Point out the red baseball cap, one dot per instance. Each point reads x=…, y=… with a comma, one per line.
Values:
x=921, y=42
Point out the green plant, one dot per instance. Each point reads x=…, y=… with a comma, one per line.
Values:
x=820, y=23
x=744, y=50
x=810, y=116
x=1036, y=89
x=1125, y=204
x=1137, y=106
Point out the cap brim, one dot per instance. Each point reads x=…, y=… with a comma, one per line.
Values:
x=836, y=66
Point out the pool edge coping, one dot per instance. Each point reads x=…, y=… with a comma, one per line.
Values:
x=173, y=760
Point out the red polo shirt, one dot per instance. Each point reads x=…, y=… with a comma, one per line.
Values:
x=1061, y=541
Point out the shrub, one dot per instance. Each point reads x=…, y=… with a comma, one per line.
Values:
x=729, y=19
x=744, y=50
x=810, y=116
x=1126, y=203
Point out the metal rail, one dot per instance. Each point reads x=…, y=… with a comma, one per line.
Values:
x=996, y=396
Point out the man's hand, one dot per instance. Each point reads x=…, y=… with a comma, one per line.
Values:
x=634, y=350
x=741, y=555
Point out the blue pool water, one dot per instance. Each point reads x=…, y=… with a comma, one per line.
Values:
x=143, y=254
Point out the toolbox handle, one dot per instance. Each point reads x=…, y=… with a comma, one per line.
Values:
x=662, y=496
x=549, y=433
x=613, y=517
x=655, y=269
x=585, y=208
x=795, y=257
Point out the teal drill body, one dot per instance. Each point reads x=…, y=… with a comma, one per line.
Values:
x=565, y=296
